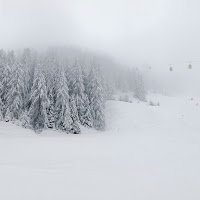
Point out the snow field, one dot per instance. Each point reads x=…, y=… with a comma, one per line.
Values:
x=147, y=152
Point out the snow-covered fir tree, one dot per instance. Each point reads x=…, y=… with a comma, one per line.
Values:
x=74, y=116
x=5, y=87
x=2, y=62
x=28, y=64
x=87, y=119
x=139, y=89
x=73, y=109
x=80, y=97
x=8, y=115
x=51, y=111
x=25, y=120
x=63, y=119
x=11, y=58
x=16, y=93
x=39, y=103
x=1, y=110
x=96, y=99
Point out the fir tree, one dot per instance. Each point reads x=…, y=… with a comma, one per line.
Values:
x=39, y=103
x=80, y=98
x=96, y=99
x=25, y=120
x=2, y=62
x=74, y=116
x=139, y=89
x=1, y=110
x=75, y=129
x=73, y=109
x=16, y=92
x=11, y=59
x=8, y=115
x=28, y=64
x=1, y=115
x=86, y=116
x=51, y=111
x=5, y=87
x=62, y=109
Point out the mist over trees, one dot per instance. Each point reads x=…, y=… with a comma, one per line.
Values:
x=61, y=88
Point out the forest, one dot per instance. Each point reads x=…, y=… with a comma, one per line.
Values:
x=57, y=90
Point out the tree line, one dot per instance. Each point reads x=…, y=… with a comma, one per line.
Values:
x=42, y=91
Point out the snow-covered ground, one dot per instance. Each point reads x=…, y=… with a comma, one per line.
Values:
x=147, y=153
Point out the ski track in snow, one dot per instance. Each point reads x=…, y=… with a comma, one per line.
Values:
x=147, y=153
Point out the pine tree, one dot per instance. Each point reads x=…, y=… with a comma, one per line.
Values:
x=74, y=116
x=86, y=116
x=1, y=116
x=28, y=64
x=5, y=87
x=2, y=68
x=39, y=103
x=25, y=120
x=11, y=59
x=139, y=89
x=16, y=93
x=51, y=79
x=51, y=112
x=78, y=92
x=80, y=98
x=62, y=109
x=8, y=115
x=75, y=129
x=2, y=62
x=1, y=110
x=96, y=99
x=73, y=109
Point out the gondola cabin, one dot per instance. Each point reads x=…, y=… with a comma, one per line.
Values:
x=189, y=66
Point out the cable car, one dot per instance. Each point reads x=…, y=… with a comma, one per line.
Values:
x=171, y=69
x=190, y=66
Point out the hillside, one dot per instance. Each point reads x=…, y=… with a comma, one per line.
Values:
x=147, y=152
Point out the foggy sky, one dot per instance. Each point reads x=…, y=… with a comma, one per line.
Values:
x=154, y=32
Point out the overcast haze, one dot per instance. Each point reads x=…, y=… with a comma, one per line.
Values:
x=154, y=32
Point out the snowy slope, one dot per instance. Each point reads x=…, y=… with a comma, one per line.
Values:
x=147, y=153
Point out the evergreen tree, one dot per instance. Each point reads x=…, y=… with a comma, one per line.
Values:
x=2, y=62
x=62, y=109
x=28, y=63
x=86, y=116
x=81, y=99
x=39, y=103
x=1, y=115
x=5, y=87
x=16, y=93
x=75, y=129
x=74, y=116
x=139, y=89
x=73, y=109
x=11, y=59
x=25, y=120
x=51, y=112
x=1, y=110
x=96, y=99
x=8, y=115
